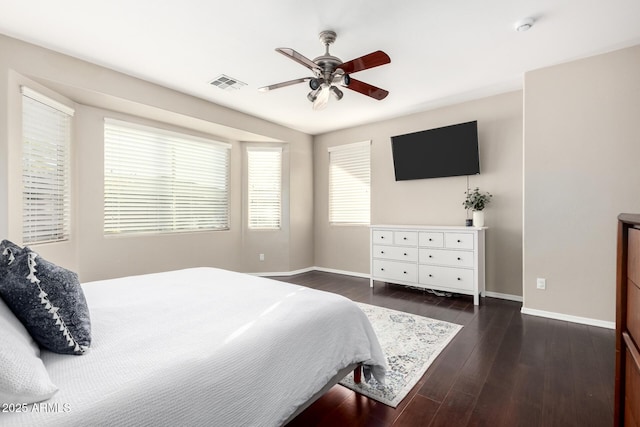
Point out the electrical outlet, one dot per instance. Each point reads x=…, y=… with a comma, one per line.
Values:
x=261, y=257
x=541, y=283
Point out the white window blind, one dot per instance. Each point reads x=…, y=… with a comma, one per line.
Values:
x=264, y=165
x=349, y=183
x=156, y=181
x=46, y=145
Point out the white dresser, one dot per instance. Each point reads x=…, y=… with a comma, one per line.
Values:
x=444, y=258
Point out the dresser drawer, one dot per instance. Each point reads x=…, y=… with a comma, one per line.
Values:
x=633, y=264
x=629, y=421
x=431, y=240
x=458, y=240
x=384, y=237
x=633, y=310
x=455, y=278
x=394, y=270
x=409, y=238
x=632, y=386
x=395, y=253
x=445, y=257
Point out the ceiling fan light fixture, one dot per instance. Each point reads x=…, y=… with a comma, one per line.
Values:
x=336, y=92
x=313, y=95
x=322, y=99
x=314, y=83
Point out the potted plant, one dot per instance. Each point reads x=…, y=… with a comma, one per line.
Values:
x=477, y=201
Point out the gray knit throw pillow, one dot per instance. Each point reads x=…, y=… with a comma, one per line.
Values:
x=49, y=302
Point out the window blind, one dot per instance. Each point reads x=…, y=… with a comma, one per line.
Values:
x=46, y=145
x=349, y=183
x=264, y=167
x=157, y=181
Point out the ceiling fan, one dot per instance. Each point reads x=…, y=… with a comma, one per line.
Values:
x=329, y=71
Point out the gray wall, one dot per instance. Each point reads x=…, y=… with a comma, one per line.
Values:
x=556, y=197
x=433, y=201
x=581, y=156
x=98, y=93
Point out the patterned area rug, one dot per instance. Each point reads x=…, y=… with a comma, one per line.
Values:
x=411, y=343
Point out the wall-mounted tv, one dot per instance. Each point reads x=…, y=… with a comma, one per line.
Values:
x=446, y=151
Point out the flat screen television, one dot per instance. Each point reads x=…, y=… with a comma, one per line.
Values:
x=446, y=151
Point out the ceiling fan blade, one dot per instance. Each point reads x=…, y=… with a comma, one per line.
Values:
x=371, y=60
x=299, y=58
x=283, y=84
x=367, y=89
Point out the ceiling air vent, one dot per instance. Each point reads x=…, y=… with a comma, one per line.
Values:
x=227, y=83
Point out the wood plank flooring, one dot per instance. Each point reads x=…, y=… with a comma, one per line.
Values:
x=503, y=369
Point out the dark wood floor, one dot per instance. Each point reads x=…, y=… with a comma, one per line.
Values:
x=504, y=368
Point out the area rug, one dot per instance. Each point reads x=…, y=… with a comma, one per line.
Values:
x=411, y=343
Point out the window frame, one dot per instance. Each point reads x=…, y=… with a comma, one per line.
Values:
x=264, y=149
x=48, y=220
x=171, y=144
x=338, y=153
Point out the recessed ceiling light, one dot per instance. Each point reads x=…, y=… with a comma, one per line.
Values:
x=523, y=24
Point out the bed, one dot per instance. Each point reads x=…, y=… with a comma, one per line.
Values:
x=203, y=346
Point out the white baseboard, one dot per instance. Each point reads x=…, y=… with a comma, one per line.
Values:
x=305, y=270
x=569, y=318
x=499, y=295
x=509, y=297
x=284, y=273
x=343, y=272
x=523, y=310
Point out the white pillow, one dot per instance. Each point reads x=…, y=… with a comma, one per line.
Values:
x=23, y=377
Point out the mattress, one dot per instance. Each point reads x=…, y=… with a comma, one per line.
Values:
x=203, y=346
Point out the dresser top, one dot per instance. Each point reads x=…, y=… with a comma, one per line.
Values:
x=630, y=218
x=429, y=227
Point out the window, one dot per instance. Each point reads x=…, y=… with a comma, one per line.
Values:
x=349, y=183
x=264, y=166
x=156, y=181
x=46, y=145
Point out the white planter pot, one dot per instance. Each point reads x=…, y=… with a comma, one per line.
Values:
x=478, y=219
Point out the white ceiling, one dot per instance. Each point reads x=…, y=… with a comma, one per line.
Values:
x=441, y=51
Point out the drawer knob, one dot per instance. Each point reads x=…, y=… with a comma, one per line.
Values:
x=381, y=252
x=431, y=240
x=382, y=237
x=431, y=275
x=404, y=272
x=382, y=269
x=405, y=254
x=430, y=256
x=459, y=278
x=404, y=238
x=458, y=241
x=459, y=258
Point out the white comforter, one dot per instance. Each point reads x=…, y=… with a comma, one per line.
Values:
x=203, y=347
